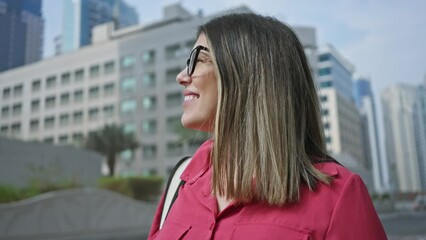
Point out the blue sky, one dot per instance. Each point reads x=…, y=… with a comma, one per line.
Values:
x=383, y=39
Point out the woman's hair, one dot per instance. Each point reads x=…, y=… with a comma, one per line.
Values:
x=268, y=130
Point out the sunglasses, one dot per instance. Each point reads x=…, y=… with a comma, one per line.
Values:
x=192, y=60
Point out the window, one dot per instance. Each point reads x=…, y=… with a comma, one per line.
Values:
x=109, y=67
x=149, y=151
x=5, y=111
x=126, y=155
x=109, y=89
x=127, y=62
x=173, y=123
x=51, y=82
x=4, y=129
x=174, y=149
x=16, y=109
x=149, y=127
x=148, y=80
x=94, y=71
x=128, y=106
x=35, y=105
x=6, y=93
x=328, y=140
x=109, y=111
x=78, y=96
x=63, y=139
x=128, y=84
x=93, y=114
x=64, y=119
x=324, y=57
x=129, y=128
x=149, y=103
x=93, y=92
x=79, y=75
x=16, y=128
x=78, y=117
x=77, y=138
x=172, y=51
x=50, y=102
x=326, y=84
x=173, y=99
x=34, y=125
x=65, y=78
x=49, y=122
x=326, y=125
x=48, y=140
x=324, y=112
x=36, y=85
x=323, y=98
x=17, y=90
x=148, y=57
x=324, y=71
x=171, y=75
x=65, y=98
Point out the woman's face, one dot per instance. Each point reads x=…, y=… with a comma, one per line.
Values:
x=200, y=94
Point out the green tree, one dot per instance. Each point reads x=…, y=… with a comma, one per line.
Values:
x=110, y=141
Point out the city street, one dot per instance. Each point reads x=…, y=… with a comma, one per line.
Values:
x=405, y=226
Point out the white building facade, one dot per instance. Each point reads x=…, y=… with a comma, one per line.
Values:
x=399, y=111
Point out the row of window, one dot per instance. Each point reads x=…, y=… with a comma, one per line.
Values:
x=64, y=99
x=64, y=79
x=149, y=103
x=149, y=151
x=324, y=71
x=148, y=57
x=64, y=119
x=94, y=71
x=149, y=126
x=127, y=106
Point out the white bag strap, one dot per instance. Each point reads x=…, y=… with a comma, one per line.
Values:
x=173, y=187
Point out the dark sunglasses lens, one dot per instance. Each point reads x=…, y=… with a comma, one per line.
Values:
x=192, y=61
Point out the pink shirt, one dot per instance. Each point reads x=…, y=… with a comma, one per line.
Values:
x=341, y=210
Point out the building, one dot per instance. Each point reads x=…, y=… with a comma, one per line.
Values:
x=126, y=76
x=80, y=16
x=342, y=121
x=22, y=25
x=378, y=164
x=401, y=135
x=420, y=132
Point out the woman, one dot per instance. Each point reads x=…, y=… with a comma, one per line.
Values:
x=265, y=174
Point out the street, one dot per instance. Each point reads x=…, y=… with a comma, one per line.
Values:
x=405, y=226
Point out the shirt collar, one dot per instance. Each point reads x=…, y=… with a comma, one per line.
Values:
x=329, y=168
x=200, y=162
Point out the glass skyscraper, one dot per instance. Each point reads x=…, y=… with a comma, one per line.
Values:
x=80, y=16
x=21, y=38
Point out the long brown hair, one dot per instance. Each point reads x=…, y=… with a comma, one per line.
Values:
x=267, y=127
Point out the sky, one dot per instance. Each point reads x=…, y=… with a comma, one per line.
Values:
x=383, y=39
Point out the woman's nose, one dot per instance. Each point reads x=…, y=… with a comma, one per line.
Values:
x=183, y=78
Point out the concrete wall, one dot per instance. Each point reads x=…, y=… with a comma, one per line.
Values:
x=25, y=162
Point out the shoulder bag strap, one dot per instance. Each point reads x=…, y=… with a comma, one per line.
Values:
x=172, y=188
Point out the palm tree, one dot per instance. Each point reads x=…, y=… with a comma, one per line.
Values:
x=109, y=141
